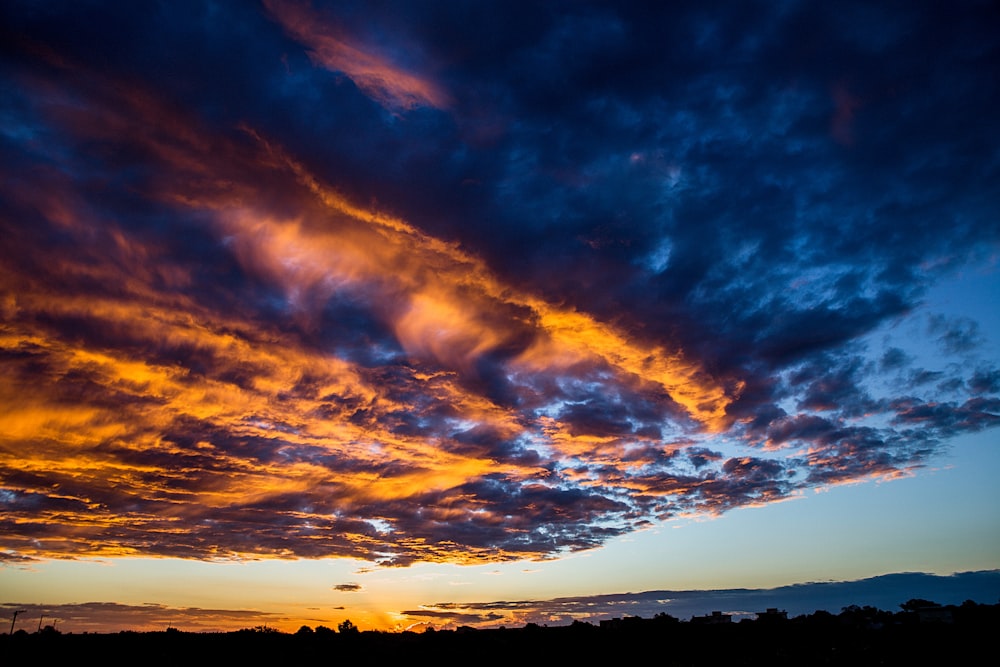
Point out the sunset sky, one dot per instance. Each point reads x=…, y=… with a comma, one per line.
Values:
x=394, y=311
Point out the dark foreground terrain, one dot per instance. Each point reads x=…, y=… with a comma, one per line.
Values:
x=918, y=635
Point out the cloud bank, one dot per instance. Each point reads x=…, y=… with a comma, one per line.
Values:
x=462, y=284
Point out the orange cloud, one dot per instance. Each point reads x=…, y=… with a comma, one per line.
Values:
x=151, y=409
x=375, y=74
x=450, y=306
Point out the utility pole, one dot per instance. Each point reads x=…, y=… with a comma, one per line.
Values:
x=14, y=620
x=40, y=622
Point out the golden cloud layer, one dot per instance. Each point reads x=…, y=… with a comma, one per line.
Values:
x=146, y=411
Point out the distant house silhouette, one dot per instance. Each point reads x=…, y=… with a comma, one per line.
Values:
x=715, y=618
x=772, y=614
x=619, y=623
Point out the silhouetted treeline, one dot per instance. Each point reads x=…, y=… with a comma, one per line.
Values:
x=921, y=633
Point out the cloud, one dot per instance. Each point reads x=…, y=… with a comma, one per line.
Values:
x=894, y=358
x=451, y=617
x=193, y=402
x=985, y=381
x=375, y=74
x=956, y=335
x=973, y=415
x=593, y=270
x=347, y=588
x=9, y=558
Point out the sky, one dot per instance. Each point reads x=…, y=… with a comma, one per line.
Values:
x=391, y=311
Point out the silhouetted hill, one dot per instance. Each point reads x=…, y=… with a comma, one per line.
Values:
x=884, y=592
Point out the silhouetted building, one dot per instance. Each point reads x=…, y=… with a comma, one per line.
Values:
x=619, y=623
x=715, y=618
x=772, y=614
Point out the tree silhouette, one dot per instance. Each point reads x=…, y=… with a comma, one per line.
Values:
x=917, y=603
x=347, y=628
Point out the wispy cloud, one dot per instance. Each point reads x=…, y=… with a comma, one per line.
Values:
x=387, y=82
